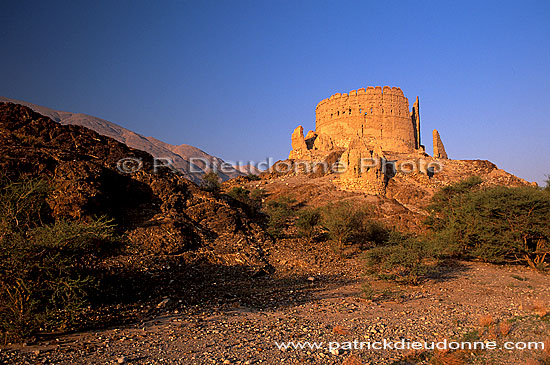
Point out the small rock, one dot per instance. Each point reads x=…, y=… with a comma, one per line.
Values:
x=122, y=360
x=163, y=303
x=311, y=278
x=336, y=351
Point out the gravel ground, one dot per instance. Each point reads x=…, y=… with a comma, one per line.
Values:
x=473, y=301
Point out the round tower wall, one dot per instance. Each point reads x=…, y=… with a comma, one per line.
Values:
x=378, y=115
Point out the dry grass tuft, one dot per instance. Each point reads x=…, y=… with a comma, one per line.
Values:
x=486, y=321
x=352, y=360
x=340, y=330
x=505, y=328
x=444, y=357
x=540, y=308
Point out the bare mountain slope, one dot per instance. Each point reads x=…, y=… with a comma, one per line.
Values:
x=190, y=160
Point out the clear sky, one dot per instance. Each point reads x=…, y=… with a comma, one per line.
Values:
x=234, y=78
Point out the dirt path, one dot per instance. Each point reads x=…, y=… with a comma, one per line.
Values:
x=473, y=302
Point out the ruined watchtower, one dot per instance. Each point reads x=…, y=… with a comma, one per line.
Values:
x=379, y=116
x=376, y=117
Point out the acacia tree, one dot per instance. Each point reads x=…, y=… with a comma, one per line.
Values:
x=307, y=222
x=342, y=221
x=498, y=224
x=211, y=182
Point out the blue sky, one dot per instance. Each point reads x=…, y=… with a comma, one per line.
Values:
x=234, y=78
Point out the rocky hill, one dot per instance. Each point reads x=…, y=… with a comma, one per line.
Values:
x=160, y=212
x=191, y=161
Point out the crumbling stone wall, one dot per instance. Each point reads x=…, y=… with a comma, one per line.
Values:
x=439, y=149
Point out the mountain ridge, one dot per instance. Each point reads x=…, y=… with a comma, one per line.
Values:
x=182, y=156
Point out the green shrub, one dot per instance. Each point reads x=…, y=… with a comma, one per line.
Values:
x=22, y=204
x=211, y=182
x=45, y=274
x=253, y=177
x=307, y=222
x=257, y=195
x=402, y=259
x=374, y=234
x=252, y=199
x=239, y=193
x=343, y=221
x=279, y=211
x=367, y=291
x=498, y=224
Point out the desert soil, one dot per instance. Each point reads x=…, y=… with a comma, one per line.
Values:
x=468, y=301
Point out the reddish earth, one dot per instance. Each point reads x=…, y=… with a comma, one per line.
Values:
x=471, y=301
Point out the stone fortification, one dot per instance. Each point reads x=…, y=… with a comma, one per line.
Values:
x=365, y=124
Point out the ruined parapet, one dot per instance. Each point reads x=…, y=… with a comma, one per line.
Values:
x=415, y=117
x=299, y=147
x=310, y=139
x=439, y=149
x=362, y=169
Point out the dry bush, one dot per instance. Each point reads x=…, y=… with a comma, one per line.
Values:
x=46, y=270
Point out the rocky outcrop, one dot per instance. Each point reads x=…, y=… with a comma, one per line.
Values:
x=159, y=211
x=439, y=149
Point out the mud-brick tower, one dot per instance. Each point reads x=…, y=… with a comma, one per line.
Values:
x=379, y=116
